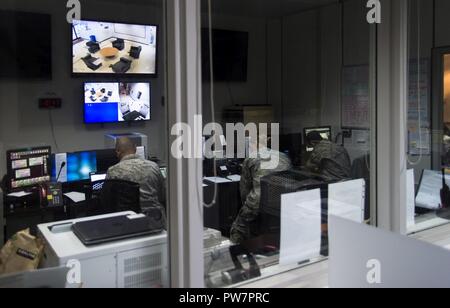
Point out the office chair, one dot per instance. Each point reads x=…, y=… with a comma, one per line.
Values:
x=145, y=110
x=122, y=66
x=124, y=108
x=273, y=187
x=93, y=47
x=89, y=61
x=119, y=44
x=361, y=170
x=132, y=116
x=135, y=52
x=120, y=196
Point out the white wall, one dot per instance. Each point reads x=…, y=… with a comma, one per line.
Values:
x=23, y=124
x=252, y=92
x=295, y=64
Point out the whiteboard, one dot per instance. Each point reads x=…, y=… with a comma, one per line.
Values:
x=355, y=111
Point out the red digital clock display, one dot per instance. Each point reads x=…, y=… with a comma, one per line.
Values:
x=50, y=103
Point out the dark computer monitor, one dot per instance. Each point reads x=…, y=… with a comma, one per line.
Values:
x=28, y=167
x=325, y=133
x=106, y=159
x=291, y=145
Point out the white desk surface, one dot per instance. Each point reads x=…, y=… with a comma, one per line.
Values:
x=67, y=244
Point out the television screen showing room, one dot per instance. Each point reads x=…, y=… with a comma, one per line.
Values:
x=116, y=102
x=113, y=48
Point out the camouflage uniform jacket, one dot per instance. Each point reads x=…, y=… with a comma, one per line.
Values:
x=250, y=186
x=145, y=173
x=330, y=160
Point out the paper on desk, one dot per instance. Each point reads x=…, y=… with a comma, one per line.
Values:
x=19, y=194
x=429, y=195
x=76, y=196
x=347, y=200
x=300, y=226
x=217, y=180
x=234, y=178
x=410, y=195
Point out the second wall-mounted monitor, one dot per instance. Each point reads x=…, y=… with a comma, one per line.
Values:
x=114, y=48
x=114, y=102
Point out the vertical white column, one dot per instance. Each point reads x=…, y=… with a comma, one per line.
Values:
x=392, y=84
x=185, y=182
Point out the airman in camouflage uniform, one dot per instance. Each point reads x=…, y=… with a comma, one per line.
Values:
x=252, y=173
x=147, y=174
x=329, y=159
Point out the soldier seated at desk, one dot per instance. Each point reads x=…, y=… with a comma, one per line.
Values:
x=328, y=159
x=147, y=174
x=253, y=170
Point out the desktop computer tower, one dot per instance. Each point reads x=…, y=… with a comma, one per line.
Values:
x=140, y=140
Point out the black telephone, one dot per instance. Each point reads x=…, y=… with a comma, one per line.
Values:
x=52, y=194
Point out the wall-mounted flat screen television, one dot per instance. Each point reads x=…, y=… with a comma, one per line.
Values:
x=114, y=48
x=26, y=45
x=115, y=102
x=230, y=55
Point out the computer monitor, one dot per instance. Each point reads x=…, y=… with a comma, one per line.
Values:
x=291, y=145
x=100, y=47
x=79, y=166
x=325, y=133
x=28, y=167
x=115, y=102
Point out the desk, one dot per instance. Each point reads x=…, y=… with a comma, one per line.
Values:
x=17, y=216
x=222, y=215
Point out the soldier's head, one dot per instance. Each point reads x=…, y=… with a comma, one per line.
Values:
x=124, y=147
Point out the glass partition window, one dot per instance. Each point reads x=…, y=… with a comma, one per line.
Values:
x=428, y=141
x=289, y=120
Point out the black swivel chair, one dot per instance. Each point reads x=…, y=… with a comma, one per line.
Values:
x=120, y=196
x=135, y=52
x=93, y=47
x=273, y=187
x=119, y=44
x=89, y=61
x=122, y=66
x=361, y=170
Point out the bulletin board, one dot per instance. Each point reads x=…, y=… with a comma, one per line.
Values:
x=419, y=129
x=355, y=112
